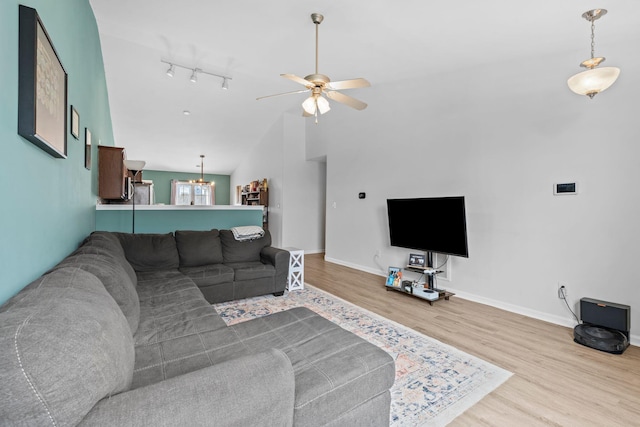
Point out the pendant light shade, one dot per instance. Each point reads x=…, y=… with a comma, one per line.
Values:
x=323, y=104
x=309, y=105
x=316, y=103
x=594, y=80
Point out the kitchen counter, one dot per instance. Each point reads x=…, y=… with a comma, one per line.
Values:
x=168, y=218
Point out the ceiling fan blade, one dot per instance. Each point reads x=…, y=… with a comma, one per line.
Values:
x=348, y=84
x=285, y=93
x=345, y=99
x=297, y=79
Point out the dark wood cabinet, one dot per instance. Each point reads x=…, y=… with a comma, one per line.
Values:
x=112, y=174
x=254, y=194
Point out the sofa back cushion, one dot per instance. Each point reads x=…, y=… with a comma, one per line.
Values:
x=150, y=252
x=109, y=241
x=111, y=272
x=64, y=345
x=242, y=251
x=197, y=248
x=106, y=240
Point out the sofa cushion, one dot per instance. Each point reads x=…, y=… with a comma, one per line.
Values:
x=106, y=240
x=242, y=251
x=208, y=275
x=149, y=252
x=110, y=242
x=251, y=270
x=64, y=345
x=171, y=306
x=197, y=248
x=109, y=269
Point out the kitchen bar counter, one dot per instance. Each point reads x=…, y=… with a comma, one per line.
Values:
x=168, y=218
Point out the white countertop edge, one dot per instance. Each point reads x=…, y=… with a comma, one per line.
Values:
x=100, y=207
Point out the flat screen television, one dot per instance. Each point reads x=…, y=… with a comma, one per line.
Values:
x=436, y=224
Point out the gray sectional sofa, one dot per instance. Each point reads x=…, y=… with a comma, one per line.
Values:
x=120, y=334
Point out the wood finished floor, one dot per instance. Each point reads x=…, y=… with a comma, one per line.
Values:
x=555, y=381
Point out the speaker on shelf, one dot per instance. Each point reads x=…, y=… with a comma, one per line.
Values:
x=605, y=325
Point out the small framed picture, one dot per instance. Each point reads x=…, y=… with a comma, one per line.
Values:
x=87, y=148
x=394, y=277
x=417, y=260
x=75, y=123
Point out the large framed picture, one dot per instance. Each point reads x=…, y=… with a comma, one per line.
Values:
x=42, y=87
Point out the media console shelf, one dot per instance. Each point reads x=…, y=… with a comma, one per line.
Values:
x=418, y=291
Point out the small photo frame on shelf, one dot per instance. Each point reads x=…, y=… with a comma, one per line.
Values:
x=87, y=148
x=75, y=123
x=417, y=260
x=394, y=277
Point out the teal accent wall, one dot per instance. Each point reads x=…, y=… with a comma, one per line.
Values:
x=167, y=221
x=162, y=184
x=48, y=204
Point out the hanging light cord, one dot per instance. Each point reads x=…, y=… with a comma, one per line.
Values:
x=317, y=25
x=593, y=37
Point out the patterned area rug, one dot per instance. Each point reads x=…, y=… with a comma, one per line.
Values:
x=434, y=381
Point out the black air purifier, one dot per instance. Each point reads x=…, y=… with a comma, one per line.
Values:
x=605, y=325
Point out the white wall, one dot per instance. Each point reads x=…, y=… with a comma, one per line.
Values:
x=501, y=136
x=296, y=186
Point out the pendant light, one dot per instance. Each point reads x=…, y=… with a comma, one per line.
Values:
x=594, y=80
x=201, y=180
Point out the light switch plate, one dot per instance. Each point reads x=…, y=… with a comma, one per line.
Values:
x=565, y=189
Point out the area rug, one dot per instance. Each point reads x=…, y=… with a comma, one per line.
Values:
x=434, y=381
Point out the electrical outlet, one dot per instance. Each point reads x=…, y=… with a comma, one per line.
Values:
x=562, y=290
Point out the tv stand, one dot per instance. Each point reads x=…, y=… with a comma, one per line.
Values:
x=426, y=291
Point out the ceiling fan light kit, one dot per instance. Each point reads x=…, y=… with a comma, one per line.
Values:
x=320, y=85
x=594, y=80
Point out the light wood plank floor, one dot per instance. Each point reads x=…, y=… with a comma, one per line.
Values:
x=556, y=382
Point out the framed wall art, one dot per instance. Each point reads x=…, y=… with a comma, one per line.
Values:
x=394, y=277
x=42, y=87
x=75, y=123
x=417, y=260
x=87, y=149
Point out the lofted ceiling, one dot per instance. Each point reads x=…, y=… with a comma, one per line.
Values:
x=255, y=41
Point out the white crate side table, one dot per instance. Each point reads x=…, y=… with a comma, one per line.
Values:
x=296, y=269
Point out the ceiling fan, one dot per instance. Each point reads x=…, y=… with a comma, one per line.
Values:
x=319, y=84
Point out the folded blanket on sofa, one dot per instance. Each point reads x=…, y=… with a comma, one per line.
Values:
x=248, y=232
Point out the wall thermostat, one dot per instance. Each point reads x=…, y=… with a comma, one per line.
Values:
x=565, y=188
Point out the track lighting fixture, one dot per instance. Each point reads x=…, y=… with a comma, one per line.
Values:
x=195, y=72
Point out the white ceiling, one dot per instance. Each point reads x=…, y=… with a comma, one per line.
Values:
x=254, y=41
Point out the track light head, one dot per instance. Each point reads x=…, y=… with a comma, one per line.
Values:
x=194, y=76
x=170, y=71
x=225, y=83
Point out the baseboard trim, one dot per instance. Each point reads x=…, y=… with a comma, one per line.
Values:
x=513, y=308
